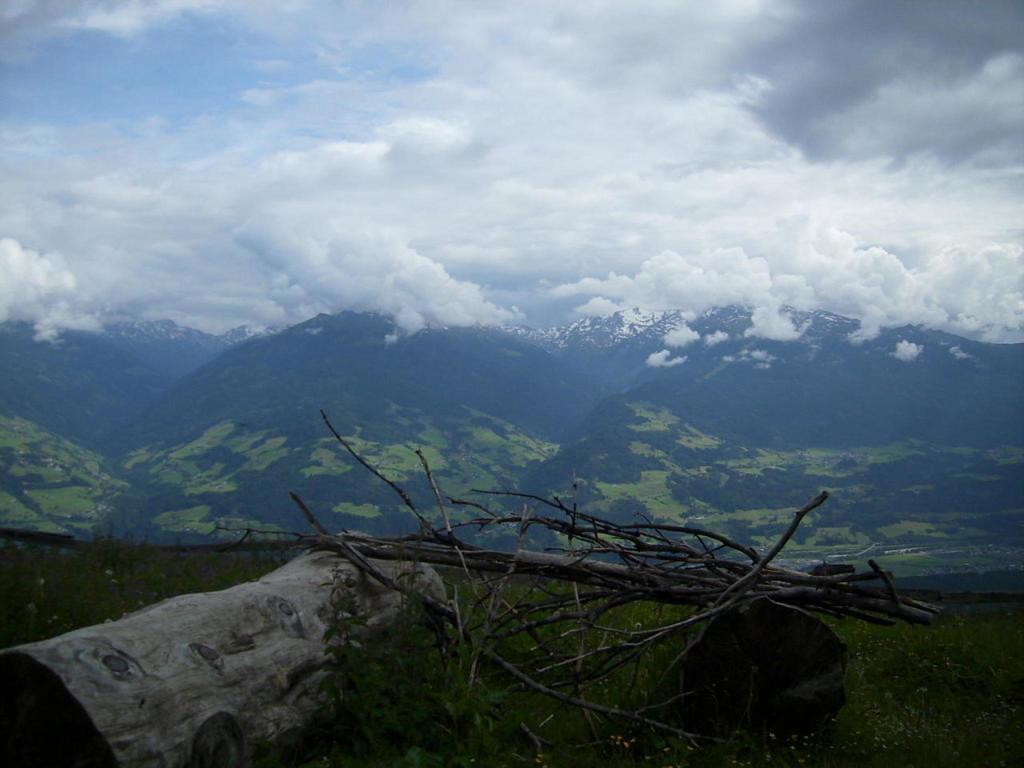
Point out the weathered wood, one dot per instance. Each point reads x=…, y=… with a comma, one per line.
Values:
x=195, y=680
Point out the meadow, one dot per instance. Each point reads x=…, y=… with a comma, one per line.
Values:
x=947, y=695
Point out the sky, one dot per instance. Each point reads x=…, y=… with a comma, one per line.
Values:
x=223, y=162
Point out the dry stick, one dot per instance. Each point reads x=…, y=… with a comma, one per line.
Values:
x=889, y=586
x=475, y=505
x=743, y=583
x=364, y=564
x=437, y=493
x=538, y=742
x=529, y=682
x=310, y=517
x=650, y=570
x=656, y=586
x=496, y=592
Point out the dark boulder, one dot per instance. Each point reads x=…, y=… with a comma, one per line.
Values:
x=764, y=666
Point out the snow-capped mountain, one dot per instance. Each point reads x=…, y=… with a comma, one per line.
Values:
x=636, y=327
x=167, y=346
x=245, y=332
x=604, y=332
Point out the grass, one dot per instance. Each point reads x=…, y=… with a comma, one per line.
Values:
x=45, y=593
x=652, y=418
x=911, y=528
x=358, y=510
x=191, y=520
x=947, y=695
x=51, y=482
x=651, y=491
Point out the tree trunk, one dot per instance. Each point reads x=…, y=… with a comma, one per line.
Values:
x=764, y=666
x=195, y=680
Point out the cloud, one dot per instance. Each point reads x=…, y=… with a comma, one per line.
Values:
x=664, y=359
x=332, y=267
x=771, y=323
x=599, y=306
x=681, y=336
x=977, y=292
x=445, y=161
x=760, y=358
x=835, y=92
x=717, y=337
x=958, y=353
x=907, y=351
x=39, y=289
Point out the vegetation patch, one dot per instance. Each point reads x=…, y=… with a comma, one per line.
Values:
x=693, y=438
x=70, y=501
x=327, y=460
x=211, y=438
x=261, y=457
x=907, y=528
x=651, y=491
x=652, y=418
x=191, y=520
x=357, y=510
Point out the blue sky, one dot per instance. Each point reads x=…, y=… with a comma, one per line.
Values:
x=221, y=162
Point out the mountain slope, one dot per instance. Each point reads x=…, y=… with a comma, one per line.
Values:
x=52, y=484
x=484, y=406
x=80, y=387
x=921, y=435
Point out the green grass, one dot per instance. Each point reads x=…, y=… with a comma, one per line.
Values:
x=651, y=491
x=696, y=440
x=935, y=697
x=211, y=438
x=261, y=457
x=45, y=592
x=911, y=528
x=191, y=520
x=652, y=418
x=50, y=483
x=358, y=510
x=69, y=501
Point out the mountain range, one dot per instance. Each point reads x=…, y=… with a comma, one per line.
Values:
x=168, y=432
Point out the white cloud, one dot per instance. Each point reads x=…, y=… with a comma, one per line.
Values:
x=978, y=292
x=328, y=266
x=759, y=358
x=717, y=337
x=39, y=289
x=958, y=353
x=771, y=323
x=907, y=351
x=681, y=336
x=599, y=307
x=664, y=359
x=437, y=156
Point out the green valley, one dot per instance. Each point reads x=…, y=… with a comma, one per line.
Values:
x=49, y=483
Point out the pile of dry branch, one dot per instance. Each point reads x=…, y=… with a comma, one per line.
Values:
x=565, y=599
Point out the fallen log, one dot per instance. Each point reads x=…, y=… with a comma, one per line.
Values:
x=764, y=666
x=196, y=680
